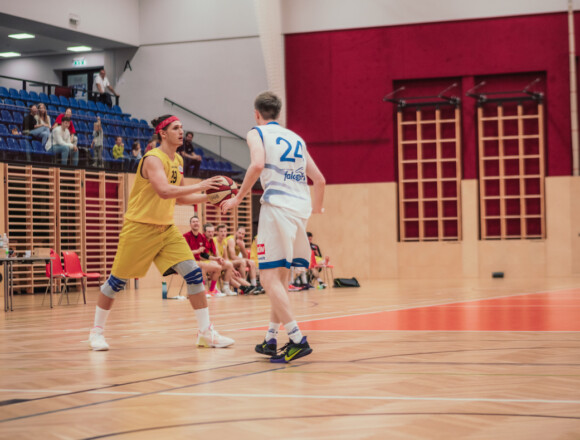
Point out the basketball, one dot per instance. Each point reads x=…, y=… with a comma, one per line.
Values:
x=226, y=190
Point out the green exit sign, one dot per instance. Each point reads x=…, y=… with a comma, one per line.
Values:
x=79, y=62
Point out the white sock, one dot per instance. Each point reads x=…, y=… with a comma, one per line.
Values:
x=203, y=321
x=253, y=281
x=272, y=332
x=293, y=331
x=226, y=285
x=303, y=278
x=101, y=316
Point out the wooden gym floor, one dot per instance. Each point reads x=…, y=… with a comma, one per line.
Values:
x=443, y=359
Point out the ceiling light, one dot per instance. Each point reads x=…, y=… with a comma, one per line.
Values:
x=79, y=48
x=9, y=54
x=21, y=36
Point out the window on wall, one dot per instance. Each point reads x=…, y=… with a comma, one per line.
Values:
x=429, y=164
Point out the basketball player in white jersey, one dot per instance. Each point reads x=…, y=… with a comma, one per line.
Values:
x=279, y=157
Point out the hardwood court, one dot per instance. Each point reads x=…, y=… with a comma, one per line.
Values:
x=487, y=359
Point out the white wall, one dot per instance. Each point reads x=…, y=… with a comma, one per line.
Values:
x=321, y=15
x=171, y=21
x=116, y=20
x=45, y=69
x=218, y=79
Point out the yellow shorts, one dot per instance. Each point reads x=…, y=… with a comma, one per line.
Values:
x=141, y=244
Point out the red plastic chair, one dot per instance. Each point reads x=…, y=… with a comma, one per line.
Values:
x=324, y=266
x=57, y=273
x=72, y=267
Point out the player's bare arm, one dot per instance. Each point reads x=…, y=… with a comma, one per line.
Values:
x=318, y=182
x=153, y=171
x=258, y=160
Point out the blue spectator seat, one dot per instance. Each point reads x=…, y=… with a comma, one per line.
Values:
x=33, y=97
x=11, y=127
x=92, y=106
x=102, y=107
x=82, y=104
x=4, y=131
x=52, y=112
x=9, y=103
x=3, y=146
x=198, y=151
x=43, y=97
x=73, y=103
x=80, y=125
x=18, y=118
x=14, y=93
x=24, y=96
x=83, y=140
x=6, y=117
x=4, y=93
x=13, y=145
x=54, y=100
x=21, y=104
x=117, y=110
x=143, y=123
x=64, y=101
x=61, y=108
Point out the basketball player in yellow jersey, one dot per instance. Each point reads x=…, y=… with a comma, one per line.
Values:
x=149, y=235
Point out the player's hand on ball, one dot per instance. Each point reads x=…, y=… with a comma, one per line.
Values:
x=211, y=183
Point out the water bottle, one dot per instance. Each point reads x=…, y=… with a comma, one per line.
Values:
x=6, y=246
x=164, y=290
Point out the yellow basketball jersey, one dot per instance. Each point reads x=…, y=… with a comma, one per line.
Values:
x=221, y=247
x=233, y=237
x=145, y=205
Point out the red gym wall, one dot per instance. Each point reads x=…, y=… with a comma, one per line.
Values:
x=336, y=81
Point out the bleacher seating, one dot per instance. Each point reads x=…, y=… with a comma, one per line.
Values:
x=14, y=106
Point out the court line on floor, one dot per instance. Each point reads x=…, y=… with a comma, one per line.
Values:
x=132, y=396
x=326, y=416
x=299, y=317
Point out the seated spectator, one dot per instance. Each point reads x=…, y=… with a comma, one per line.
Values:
x=198, y=245
x=97, y=143
x=191, y=161
x=119, y=148
x=135, y=155
x=32, y=128
x=103, y=87
x=319, y=260
x=61, y=143
x=238, y=256
x=42, y=118
x=68, y=114
x=221, y=246
x=226, y=265
x=152, y=144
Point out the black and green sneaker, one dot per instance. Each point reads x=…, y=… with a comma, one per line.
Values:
x=292, y=351
x=267, y=347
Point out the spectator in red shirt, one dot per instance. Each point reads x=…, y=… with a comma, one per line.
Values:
x=199, y=247
x=68, y=114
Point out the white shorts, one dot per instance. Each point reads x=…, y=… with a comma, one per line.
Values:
x=282, y=240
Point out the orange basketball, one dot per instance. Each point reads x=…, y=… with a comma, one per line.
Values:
x=226, y=190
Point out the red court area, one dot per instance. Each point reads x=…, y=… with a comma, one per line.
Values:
x=550, y=311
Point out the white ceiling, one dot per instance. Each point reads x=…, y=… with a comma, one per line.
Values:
x=50, y=40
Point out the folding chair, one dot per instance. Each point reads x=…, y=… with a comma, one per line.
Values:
x=322, y=267
x=57, y=273
x=72, y=267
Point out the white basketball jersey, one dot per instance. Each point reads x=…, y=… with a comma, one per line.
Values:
x=284, y=175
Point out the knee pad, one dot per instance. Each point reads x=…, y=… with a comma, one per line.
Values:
x=192, y=275
x=112, y=286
